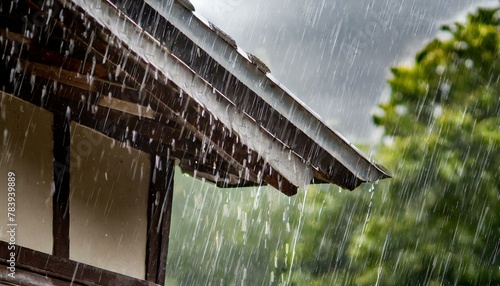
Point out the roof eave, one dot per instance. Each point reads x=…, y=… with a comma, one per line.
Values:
x=290, y=167
x=273, y=93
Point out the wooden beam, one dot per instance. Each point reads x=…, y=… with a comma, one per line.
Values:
x=159, y=217
x=166, y=220
x=148, y=128
x=58, y=74
x=130, y=79
x=127, y=107
x=29, y=278
x=275, y=153
x=45, y=267
x=176, y=108
x=61, y=135
x=259, y=95
x=141, y=133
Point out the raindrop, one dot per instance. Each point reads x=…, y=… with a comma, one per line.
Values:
x=32, y=82
x=134, y=135
x=44, y=93
x=68, y=112
x=5, y=137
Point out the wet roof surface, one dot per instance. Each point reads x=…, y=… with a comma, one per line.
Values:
x=167, y=82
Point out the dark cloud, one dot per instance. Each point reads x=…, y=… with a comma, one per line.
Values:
x=335, y=55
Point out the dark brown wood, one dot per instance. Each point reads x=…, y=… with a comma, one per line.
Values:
x=60, y=230
x=135, y=82
x=150, y=136
x=159, y=217
x=41, y=265
x=159, y=95
x=220, y=78
x=157, y=189
x=162, y=97
x=166, y=221
x=29, y=278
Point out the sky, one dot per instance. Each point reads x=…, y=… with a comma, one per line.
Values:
x=335, y=55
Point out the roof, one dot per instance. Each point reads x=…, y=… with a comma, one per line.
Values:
x=160, y=78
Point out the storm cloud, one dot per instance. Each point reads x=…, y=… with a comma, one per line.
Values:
x=335, y=55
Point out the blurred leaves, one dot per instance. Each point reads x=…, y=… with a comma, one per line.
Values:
x=437, y=222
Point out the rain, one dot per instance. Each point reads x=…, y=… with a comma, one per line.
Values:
x=233, y=142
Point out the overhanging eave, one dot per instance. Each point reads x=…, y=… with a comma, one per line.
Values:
x=266, y=87
x=251, y=134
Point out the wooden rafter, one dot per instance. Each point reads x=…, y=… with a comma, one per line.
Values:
x=124, y=84
x=300, y=175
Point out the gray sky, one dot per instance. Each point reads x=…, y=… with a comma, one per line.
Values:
x=335, y=54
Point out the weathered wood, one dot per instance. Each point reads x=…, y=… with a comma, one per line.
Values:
x=165, y=220
x=130, y=79
x=30, y=278
x=243, y=97
x=142, y=134
x=61, y=269
x=155, y=91
x=58, y=74
x=159, y=217
x=127, y=107
x=14, y=36
x=61, y=139
x=211, y=130
x=157, y=190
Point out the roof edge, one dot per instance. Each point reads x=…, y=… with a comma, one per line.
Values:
x=150, y=50
x=273, y=93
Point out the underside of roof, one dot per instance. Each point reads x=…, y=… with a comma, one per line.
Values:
x=161, y=79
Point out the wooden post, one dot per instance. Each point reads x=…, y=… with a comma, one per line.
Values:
x=60, y=230
x=159, y=217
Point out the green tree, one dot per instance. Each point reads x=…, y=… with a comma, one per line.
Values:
x=330, y=219
x=226, y=236
x=438, y=221
x=442, y=224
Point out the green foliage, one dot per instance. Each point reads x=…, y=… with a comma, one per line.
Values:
x=227, y=236
x=330, y=219
x=437, y=222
